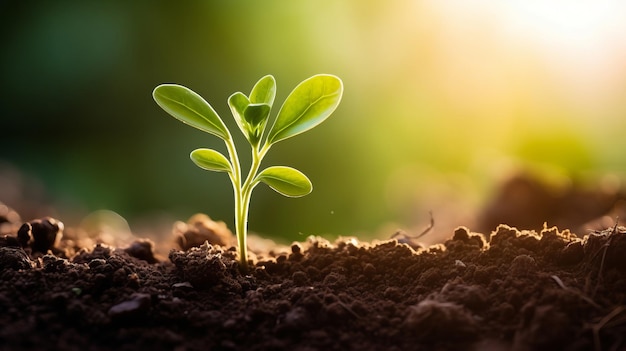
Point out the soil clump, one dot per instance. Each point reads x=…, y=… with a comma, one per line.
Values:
x=507, y=290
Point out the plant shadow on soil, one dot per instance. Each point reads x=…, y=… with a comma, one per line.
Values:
x=507, y=290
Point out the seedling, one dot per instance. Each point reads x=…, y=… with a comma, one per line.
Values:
x=308, y=105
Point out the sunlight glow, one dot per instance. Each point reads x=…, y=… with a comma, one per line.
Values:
x=573, y=24
x=583, y=42
x=576, y=48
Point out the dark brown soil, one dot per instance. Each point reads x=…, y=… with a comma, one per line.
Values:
x=517, y=290
x=60, y=289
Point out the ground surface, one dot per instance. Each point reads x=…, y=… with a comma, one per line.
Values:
x=516, y=290
x=506, y=290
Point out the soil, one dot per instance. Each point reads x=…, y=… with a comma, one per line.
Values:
x=507, y=290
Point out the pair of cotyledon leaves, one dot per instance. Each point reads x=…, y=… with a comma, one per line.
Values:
x=308, y=105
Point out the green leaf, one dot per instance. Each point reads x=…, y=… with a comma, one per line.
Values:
x=251, y=118
x=264, y=91
x=210, y=160
x=256, y=114
x=308, y=105
x=190, y=108
x=238, y=103
x=286, y=180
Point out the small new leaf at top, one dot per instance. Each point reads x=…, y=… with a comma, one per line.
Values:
x=264, y=91
x=251, y=118
x=238, y=102
x=252, y=113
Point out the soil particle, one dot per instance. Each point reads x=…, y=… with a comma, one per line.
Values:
x=136, y=307
x=299, y=278
x=142, y=249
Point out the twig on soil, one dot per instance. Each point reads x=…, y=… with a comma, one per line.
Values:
x=604, y=249
x=595, y=328
x=349, y=310
x=560, y=283
x=410, y=238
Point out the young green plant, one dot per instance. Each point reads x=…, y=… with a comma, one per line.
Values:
x=308, y=105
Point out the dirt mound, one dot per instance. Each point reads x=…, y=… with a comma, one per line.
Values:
x=512, y=289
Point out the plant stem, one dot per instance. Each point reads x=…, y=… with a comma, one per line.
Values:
x=243, y=192
x=241, y=205
x=241, y=223
x=244, y=201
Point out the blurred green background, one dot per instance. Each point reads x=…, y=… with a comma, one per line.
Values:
x=441, y=98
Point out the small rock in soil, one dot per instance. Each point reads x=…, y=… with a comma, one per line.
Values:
x=41, y=234
x=142, y=249
x=296, y=253
x=136, y=307
x=183, y=286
